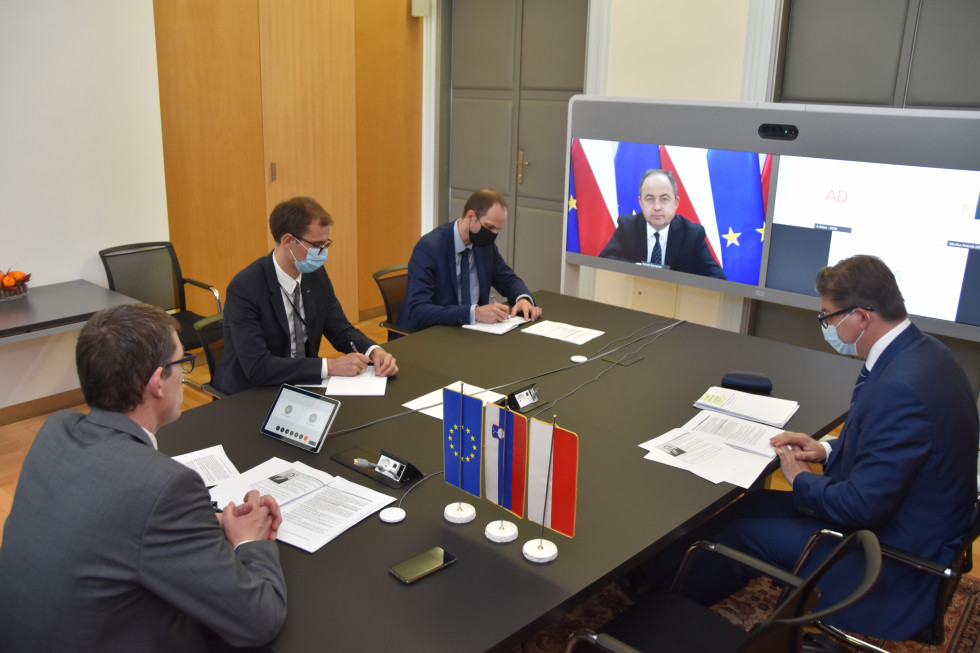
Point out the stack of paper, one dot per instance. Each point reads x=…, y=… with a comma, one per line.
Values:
x=561, y=331
x=316, y=506
x=716, y=447
x=768, y=410
x=497, y=328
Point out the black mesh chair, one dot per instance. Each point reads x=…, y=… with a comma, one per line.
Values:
x=211, y=338
x=668, y=621
x=393, y=283
x=150, y=273
x=934, y=633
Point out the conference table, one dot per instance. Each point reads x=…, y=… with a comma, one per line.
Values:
x=343, y=598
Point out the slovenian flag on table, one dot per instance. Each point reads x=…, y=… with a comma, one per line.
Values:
x=552, y=477
x=505, y=457
x=462, y=419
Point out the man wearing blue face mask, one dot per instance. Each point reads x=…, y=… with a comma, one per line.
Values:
x=278, y=308
x=902, y=467
x=453, y=267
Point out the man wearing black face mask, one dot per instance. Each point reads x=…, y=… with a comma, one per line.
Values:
x=453, y=267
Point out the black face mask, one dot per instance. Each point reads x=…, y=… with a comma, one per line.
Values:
x=483, y=238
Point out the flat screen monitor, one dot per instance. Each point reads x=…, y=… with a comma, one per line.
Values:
x=780, y=191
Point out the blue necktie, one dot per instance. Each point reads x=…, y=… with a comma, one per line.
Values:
x=862, y=377
x=656, y=256
x=464, y=277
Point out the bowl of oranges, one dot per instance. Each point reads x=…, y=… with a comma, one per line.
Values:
x=13, y=284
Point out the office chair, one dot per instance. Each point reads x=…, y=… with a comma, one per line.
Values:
x=150, y=273
x=933, y=633
x=393, y=282
x=211, y=338
x=668, y=621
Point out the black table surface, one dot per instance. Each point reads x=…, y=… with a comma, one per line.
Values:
x=55, y=305
x=342, y=597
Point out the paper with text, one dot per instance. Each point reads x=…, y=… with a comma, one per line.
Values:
x=212, y=464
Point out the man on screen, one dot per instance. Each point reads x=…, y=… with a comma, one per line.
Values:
x=659, y=236
x=902, y=467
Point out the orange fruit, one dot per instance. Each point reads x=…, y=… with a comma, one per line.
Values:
x=9, y=281
x=17, y=275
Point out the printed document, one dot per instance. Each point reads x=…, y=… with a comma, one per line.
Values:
x=212, y=464
x=561, y=331
x=497, y=328
x=365, y=384
x=768, y=410
x=431, y=403
x=316, y=506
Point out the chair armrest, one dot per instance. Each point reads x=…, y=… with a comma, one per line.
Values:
x=394, y=328
x=214, y=291
x=890, y=552
x=598, y=641
x=776, y=573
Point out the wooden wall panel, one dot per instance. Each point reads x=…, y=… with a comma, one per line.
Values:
x=211, y=113
x=388, y=65
x=308, y=106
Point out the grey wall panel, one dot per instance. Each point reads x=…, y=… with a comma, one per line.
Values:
x=537, y=247
x=553, y=44
x=479, y=158
x=944, y=71
x=483, y=43
x=844, y=51
x=542, y=138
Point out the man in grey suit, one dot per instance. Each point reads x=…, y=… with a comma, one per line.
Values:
x=113, y=546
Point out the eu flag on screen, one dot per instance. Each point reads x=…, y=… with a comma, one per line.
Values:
x=462, y=422
x=736, y=185
x=572, y=242
x=631, y=161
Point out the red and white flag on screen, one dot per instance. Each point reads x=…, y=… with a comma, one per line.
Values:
x=552, y=477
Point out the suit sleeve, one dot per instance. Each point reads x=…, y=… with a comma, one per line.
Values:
x=422, y=307
x=704, y=262
x=504, y=279
x=619, y=246
x=337, y=328
x=247, y=319
x=185, y=559
x=894, y=442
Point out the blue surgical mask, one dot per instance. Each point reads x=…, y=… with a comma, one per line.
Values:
x=312, y=262
x=830, y=335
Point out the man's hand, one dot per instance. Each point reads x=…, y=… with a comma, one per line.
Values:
x=796, y=451
x=492, y=312
x=384, y=363
x=257, y=518
x=527, y=309
x=347, y=365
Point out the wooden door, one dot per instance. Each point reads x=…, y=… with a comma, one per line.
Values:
x=309, y=120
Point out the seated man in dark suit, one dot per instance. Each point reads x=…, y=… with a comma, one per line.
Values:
x=279, y=307
x=659, y=236
x=435, y=294
x=904, y=465
x=113, y=546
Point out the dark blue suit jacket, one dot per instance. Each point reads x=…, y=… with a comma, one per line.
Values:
x=257, y=343
x=687, y=250
x=904, y=467
x=433, y=287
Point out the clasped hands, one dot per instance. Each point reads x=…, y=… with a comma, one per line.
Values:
x=496, y=312
x=796, y=451
x=256, y=518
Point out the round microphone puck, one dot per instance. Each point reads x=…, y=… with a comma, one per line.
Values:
x=392, y=515
x=579, y=358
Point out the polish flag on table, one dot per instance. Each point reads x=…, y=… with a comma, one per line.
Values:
x=505, y=457
x=552, y=477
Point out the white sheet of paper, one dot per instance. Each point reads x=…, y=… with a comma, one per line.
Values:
x=497, y=328
x=212, y=464
x=706, y=455
x=561, y=331
x=768, y=410
x=431, y=403
x=739, y=433
x=365, y=384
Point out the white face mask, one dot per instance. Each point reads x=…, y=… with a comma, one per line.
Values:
x=830, y=335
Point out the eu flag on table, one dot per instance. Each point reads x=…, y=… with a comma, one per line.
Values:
x=505, y=451
x=462, y=420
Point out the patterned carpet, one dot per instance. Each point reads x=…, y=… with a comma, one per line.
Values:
x=750, y=606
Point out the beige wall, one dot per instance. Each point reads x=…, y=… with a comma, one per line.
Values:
x=676, y=50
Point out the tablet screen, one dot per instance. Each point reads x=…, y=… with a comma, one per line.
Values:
x=300, y=417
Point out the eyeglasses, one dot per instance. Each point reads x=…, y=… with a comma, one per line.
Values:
x=319, y=248
x=822, y=317
x=186, y=363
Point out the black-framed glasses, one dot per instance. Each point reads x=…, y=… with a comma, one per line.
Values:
x=823, y=316
x=319, y=248
x=186, y=363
